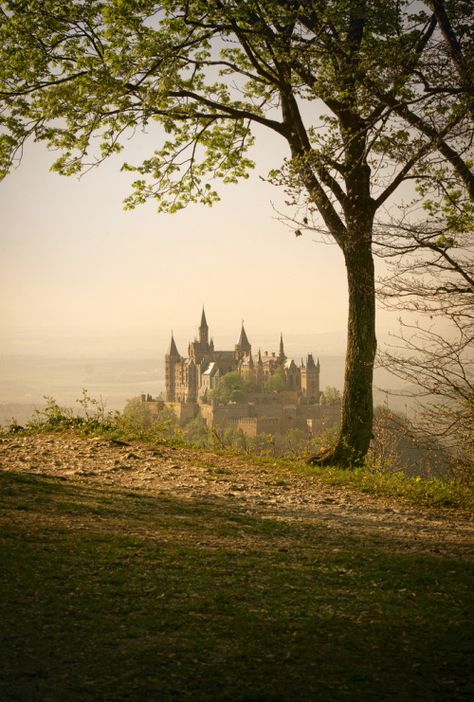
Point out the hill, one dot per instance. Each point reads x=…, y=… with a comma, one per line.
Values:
x=136, y=571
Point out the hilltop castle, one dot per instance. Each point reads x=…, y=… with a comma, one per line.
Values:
x=192, y=379
x=190, y=382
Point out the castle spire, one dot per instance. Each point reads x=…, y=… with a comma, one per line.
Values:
x=282, y=355
x=203, y=319
x=173, y=351
x=203, y=331
x=243, y=343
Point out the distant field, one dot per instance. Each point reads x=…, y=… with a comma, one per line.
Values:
x=25, y=380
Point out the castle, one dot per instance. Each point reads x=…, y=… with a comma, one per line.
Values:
x=193, y=379
x=190, y=383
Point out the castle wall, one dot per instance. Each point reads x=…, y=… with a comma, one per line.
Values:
x=282, y=418
x=269, y=425
x=251, y=426
x=329, y=418
x=154, y=406
x=284, y=397
x=207, y=413
x=223, y=414
x=308, y=411
x=184, y=411
x=247, y=424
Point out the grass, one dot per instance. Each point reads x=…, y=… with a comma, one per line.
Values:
x=117, y=595
x=95, y=421
x=429, y=492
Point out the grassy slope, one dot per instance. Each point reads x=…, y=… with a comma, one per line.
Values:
x=112, y=595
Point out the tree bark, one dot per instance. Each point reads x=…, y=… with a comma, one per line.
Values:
x=357, y=401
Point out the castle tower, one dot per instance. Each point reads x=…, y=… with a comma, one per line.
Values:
x=172, y=358
x=243, y=345
x=191, y=382
x=292, y=374
x=204, y=332
x=310, y=380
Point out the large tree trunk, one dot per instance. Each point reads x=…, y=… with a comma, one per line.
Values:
x=353, y=235
x=357, y=402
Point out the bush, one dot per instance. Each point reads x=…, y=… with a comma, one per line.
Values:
x=331, y=396
x=196, y=433
x=232, y=388
x=276, y=382
x=137, y=421
x=53, y=417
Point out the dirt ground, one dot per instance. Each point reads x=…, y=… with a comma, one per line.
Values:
x=266, y=490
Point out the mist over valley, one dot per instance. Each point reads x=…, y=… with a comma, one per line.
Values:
x=26, y=379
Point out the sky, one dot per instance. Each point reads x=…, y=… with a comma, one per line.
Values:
x=80, y=274
x=82, y=277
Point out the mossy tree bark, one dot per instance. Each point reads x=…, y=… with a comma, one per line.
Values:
x=357, y=401
x=354, y=238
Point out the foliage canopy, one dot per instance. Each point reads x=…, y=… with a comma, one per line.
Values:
x=364, y=94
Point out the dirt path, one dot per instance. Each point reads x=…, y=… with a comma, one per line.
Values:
x=268, y=491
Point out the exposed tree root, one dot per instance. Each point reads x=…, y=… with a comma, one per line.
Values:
x=338, y=455
x=329, y=457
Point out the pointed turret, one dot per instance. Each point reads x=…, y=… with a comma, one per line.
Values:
x=173, y=351
x=310, y=362
x=260, y=362
x=281, y=355
x=172, y=360
x=203, y=331
x=243, y=343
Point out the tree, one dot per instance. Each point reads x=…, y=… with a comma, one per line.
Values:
x=232, y=388
x=137, y=418
x=196, y=432
x=277, y=381
x=398, y=445
x=136, y=414
x=337, y=80
x=432, y=274
x=432, y=266
x=331, y=396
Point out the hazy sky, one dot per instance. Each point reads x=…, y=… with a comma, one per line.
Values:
x=81, y=276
